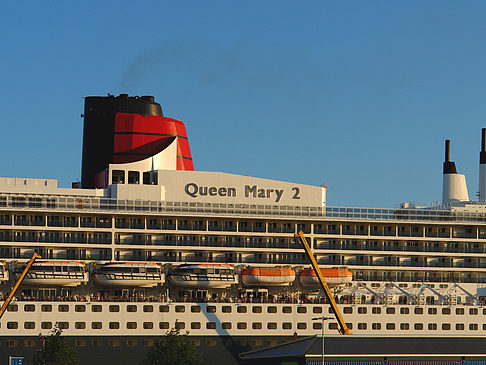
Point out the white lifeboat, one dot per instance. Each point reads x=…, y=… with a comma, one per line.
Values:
x=204, y=276
x=55, y=273
x=268, y=276
x=335, y=276
x=126, y=274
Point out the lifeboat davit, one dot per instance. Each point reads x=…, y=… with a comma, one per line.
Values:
x=334, y=276
x=204, y=276
x=268, y=276
x=140, y=275
x=55, y=273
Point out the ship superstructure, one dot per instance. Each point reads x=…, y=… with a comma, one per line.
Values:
x=145, y=240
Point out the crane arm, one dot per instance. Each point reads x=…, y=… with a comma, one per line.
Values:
x=34, y=257
x=344, y=328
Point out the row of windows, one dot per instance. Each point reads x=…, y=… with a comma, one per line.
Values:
x=244, y=309
x=80, y=342
x=246, y=325
x=146, y=342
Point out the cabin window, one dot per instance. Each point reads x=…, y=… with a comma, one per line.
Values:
x=196, y=309
x=96, y=325
x=29, y=325
x=432, y=326
x=473, y=311
x=211, y=325
x=272, y=309
x=418, y=310
x=210, y=309
x=113, y=342
x=418, y=326
x=97, y=343
x=390, y=310
x=446, y=311
x=12, y=325
x=404, y=326
x=286, y=309
x=460, y=326
x=317, y=326
x=148, y=308
x=301, y=310
x=376, y=326
x=432, y=310
x=286, y=326
x=29, y=343
x=317, y=310
x=114, y=308
x=164, y=325
x=96, y=308
x=376, y=310
x=180, y=325
x=271, y=325
x=241, y=325
x=148, y=325
x=348, y=310
x=13, y=308
x=241, y=309
x=256, y=309
x=29, y=308
x=46, y=308
x=131, y=325
x=114, y=325
x=211, y=342
x=80, y=308
x=133, y=177
x=362, y=326
x=132, y=342
x=226, y=309
x=164, y=308
x=362, y=310
x=226, y=325
x=473, y=326
x=195, y=325
x=180, y=309
x=63, y=308
x=301, y=326
x=256, y=325
x=80, y=342
x=80, y=325
x=148, y=342
x=333, y=326
x=46, y=325
x=460, y=311
x=118, y=177
x=12, y=343
x=131, y=308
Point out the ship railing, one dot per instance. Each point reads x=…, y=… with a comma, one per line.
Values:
x=57, y=275
x=133, y=276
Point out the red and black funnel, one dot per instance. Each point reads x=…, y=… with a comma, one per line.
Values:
x=126, y=129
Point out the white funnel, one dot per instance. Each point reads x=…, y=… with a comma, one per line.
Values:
x=454, y=186
x=482, y=168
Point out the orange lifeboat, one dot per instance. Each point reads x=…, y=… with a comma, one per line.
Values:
x=268, y=276
x=334, y=277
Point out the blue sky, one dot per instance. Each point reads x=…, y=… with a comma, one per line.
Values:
x=360, y=95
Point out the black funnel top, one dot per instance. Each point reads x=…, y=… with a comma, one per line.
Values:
x=99, y=126
x=449, y=166
x=482, y=154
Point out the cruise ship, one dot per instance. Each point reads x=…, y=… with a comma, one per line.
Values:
x=144, y=243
